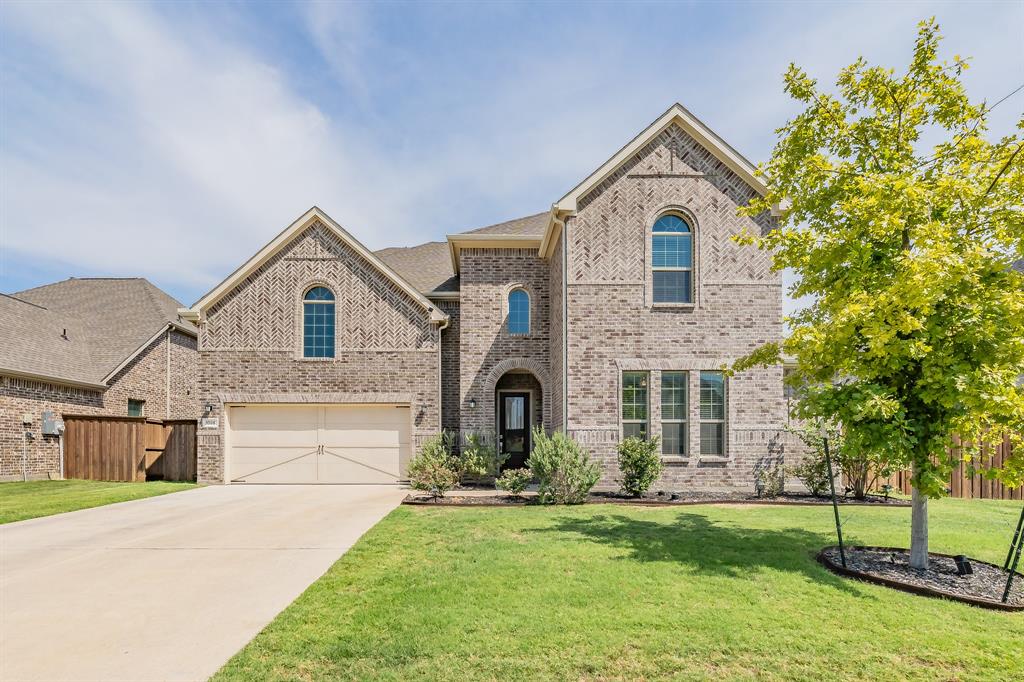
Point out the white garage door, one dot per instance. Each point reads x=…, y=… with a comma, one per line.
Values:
x=317, y=443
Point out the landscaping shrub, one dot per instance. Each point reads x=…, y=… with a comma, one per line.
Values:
x=515, y=481
x=856, y=466
x=479, y=460
x=813, y=473
x=563, y=469
x=771, y=480
x=435, y=470
x=640, y=464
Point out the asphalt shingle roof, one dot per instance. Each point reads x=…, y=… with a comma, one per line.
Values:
x=428, y=267
x=106, y=320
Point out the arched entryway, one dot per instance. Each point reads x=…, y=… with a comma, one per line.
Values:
x=518, y=407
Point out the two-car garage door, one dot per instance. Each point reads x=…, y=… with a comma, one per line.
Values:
x=317, y=443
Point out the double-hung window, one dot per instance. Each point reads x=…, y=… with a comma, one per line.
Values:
x=712, y=413
x=672, y=260
x=634, y=405
x=673, y=413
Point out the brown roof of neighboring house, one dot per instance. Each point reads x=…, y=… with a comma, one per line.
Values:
x=428, y=267
x=107, y=320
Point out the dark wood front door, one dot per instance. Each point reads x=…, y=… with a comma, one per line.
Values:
x=514, y=428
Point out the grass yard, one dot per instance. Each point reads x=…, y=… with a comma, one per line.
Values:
x=616, y=592
x=28, y=500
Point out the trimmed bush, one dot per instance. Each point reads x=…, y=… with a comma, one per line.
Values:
x=562, y=468
x=640, y=464
x=435, y=470
x=515, y=481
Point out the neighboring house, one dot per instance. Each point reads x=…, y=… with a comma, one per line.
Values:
x=609, y=315
x=96, y=346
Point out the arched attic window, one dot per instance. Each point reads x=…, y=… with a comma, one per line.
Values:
x=318, y=323
x=518, y=312
x=672, y=259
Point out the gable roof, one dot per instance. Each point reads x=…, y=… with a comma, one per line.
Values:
x=82, y=331
x=679, y=115
x=284, y=238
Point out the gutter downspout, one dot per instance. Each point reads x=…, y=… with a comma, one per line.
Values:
x=167, y=376
x=565, y=326
x=440, y=391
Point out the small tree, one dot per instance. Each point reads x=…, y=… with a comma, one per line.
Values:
x=916, y=326
x=640, y=464
x=856, y=466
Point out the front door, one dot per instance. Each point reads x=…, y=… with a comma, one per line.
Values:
x=514, y=428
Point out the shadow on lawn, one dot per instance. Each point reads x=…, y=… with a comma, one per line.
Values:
x=707, y=547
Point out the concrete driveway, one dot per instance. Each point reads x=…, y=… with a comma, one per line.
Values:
x=168, y=588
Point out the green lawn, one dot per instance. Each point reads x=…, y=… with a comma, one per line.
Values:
x=615, y=592
x=20, y=501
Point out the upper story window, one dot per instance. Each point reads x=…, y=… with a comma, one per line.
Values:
x=518, y=312
x=318, y=323
x=672, y=259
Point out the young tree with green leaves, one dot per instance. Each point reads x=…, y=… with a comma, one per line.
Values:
x=902, y=222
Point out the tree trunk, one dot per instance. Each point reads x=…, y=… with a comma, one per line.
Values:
x=918, y=530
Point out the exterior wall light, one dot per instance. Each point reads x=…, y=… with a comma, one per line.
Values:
x=472, y=403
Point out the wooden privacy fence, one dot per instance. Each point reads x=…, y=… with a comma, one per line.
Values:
x=962, y=484
x=129, y=448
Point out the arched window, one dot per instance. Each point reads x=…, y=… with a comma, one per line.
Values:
x=318, y=323
x=518, y=312
x=672, y=259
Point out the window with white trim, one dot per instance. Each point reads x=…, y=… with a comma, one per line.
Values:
x=634, y=405
x=672, y=259
x=518, y=312
x=318, y=323
x=712, y=413
x=673, y=413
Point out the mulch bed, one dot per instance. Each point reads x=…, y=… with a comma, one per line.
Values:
x=668, y=499
x=891, y=567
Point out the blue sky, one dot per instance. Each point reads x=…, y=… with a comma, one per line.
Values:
x=172, y=140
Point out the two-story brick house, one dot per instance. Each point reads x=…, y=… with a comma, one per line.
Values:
x=611, y=314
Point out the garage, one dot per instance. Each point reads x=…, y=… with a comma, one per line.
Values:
x=317, y=443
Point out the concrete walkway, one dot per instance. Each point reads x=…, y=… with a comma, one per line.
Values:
x=168, y=588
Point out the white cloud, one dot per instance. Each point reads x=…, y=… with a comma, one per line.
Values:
x=137, y=140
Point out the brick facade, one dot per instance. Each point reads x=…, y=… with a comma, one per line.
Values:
x=613, y=326
x=144, y=378
x=487, y=351
x=386, y=348
x=592, y=318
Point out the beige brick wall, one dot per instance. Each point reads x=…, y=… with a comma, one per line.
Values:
x=145, y=378
x=613, y=325
x=386, y=349
x=556, y=350
x=487, y=350
x=450, y=356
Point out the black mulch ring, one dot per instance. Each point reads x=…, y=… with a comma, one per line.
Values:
x=665, y=498
x=891, y=567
